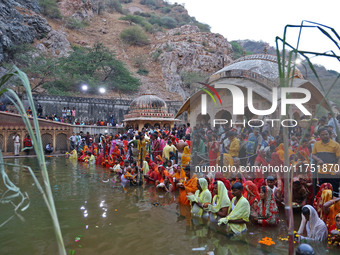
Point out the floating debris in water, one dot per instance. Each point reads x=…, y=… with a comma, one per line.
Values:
x=267, y=241
x=77, y=239
x=106, y=180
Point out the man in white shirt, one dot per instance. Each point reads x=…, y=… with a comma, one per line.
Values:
x=16, y=141
x=73, y=140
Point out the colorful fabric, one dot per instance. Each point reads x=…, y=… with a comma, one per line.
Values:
x=334, y=212
x=251, y=192
x=186, y=156
x=202, y=197
x=280, y=151
x=317, y=204
x=190, y=186
x=220, y=200
x=268, y=210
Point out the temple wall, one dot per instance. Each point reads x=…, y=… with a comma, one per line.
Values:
x=91, y=108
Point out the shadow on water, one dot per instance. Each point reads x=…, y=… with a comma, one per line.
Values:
x=100, y=216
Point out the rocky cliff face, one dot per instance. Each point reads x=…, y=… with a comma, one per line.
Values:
x=77, y=9
x=186, y=49
x=21, y=22
x=179, y=50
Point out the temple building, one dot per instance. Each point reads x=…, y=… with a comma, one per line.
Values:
x=149, y=110
x=259, y=72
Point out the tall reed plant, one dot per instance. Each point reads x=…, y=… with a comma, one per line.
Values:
x=287, y=55
x=35, y=135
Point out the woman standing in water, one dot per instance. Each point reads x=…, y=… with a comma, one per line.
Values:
x=316, y=229
x=220, y=203
x=267, y=212
x=201, y=197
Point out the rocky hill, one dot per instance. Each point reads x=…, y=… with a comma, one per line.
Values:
x=178, y=53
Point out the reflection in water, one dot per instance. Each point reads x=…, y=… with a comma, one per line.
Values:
x=107, y=218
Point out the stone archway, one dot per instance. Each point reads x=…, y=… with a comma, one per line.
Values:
x=224, y=115
x=61, y=142
x=10, y=143
x=203, y=119
x=46, y=138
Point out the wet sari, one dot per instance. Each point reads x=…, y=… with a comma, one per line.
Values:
x=315, y=227
x=202, y=197
x=190, y=186
x=317, y=204
x=268, y=211
x=334, y=209
x=251, y=193
x=220, y=200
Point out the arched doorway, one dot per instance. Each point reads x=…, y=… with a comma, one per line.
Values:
x=224, y=115
x=203, y=119
x=46, y=138
x=61, y=143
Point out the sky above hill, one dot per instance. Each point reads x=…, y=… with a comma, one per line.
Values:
x=264, y=20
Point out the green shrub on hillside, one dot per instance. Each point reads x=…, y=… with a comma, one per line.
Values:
x=150, y=3
x=190, y=77
x=203, y=27
x=72, y=23
x=50, y=9
x=238, y=51
x=168, y=22
x=134, y=36
x=96, y=66
x=115, y=5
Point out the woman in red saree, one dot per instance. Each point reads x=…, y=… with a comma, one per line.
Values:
x=116, y=153
x=317, y=204
x=267, y=209
x=251, y=193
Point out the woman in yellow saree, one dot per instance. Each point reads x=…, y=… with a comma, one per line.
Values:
x=141, y=143
x=220, y=203
x=186, y=156
x=201, y=196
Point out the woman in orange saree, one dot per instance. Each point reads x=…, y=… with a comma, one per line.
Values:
x=187, y=187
